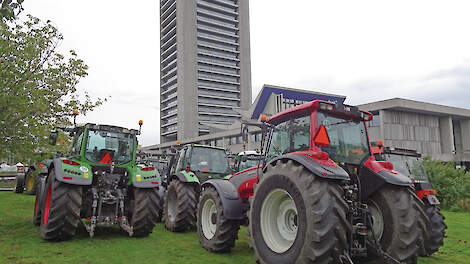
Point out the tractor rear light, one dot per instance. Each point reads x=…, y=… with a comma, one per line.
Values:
x=148, y=169
x=187, y=169
x=71, y=162
x=41, y=165
x=154, y=182
x=67, y=178
x=326, y=106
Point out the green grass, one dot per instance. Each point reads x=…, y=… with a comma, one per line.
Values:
x=20, y=242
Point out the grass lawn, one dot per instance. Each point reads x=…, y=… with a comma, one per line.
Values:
x=20, y=242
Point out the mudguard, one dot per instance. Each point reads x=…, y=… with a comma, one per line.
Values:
x=231, y=202
x=146, y=179
x=184, y=176
x=71, y=174
x=371, y=181
x=318, y=169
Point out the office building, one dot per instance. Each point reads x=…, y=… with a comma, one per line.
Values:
x=205, y=66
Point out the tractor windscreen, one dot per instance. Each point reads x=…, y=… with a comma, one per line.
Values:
x=406, y=165
x=290, y=136
x=209, y=160
x=109, y=147
x=348, y=138
x=250, y=162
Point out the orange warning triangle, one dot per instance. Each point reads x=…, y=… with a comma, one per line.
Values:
x=322, y=138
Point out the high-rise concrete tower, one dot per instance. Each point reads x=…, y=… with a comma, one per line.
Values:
x=205, y=66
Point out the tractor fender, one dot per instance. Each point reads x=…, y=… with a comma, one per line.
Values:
x=184, y=176
x=147, y=180
x=231, y=202
x=75, y=176
x=372, y=181
x=318, y=169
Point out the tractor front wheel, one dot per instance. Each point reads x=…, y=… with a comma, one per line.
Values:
x=145, y=208
x=38, y=205
x=180, y=206
x=18, y=186
x=216, y=233
x=438, y=229
x=298, y=217
x=395, y=222
x=61, y=211
x=30, y=183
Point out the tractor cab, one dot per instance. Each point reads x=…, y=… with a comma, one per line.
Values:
x=246, y=159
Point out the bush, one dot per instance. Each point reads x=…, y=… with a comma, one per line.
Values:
x=452, y=184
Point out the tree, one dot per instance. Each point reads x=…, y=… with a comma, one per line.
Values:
x=10, y=9
x=38, y=85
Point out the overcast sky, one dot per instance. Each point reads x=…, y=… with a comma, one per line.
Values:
x=365, y=50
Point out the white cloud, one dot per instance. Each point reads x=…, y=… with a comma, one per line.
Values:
x=367, y=50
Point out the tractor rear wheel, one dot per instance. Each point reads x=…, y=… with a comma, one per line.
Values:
x=395, y=222
x=216, y=233
x=30, y=183
x=38, y=205
x=18, y=186
x=437, y=230
x=161, y=196
x=298, y=217
x=61, y=211
x=180, y=206
x=145, y=207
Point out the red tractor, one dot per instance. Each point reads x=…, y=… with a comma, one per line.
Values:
x=409, y=163
x=318, y=195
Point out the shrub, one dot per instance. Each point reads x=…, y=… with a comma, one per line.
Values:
x=452, y=184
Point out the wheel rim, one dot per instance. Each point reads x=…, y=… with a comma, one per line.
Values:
x=172, y=204
x=209, y=218
x=278, y=220
x=377, y=219
x=30, y=183
x=48, y=204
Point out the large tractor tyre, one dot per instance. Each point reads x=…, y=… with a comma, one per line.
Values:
x=30, y=183
x=437, y=230
x=424, y=226
x=18, y=186
x=298, y=217
x=395, y=222
x=180, y=206
x=161, y=196
x=216, y=233
x=61, y=210
x=145, y=207
x=39, y=202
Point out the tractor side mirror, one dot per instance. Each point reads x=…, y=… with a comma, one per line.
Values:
x=245, y=133
x=53, y=137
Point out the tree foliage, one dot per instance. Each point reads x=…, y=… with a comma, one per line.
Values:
x=38, y=85
x=10, y=9
x=452, y=184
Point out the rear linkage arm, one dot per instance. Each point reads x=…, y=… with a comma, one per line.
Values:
x=359, y=214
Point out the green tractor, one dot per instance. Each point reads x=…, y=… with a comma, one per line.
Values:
x=98, y=183
x=192, y=166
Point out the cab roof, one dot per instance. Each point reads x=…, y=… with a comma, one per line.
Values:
x=304, y=109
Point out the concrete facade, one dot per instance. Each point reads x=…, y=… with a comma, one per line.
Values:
x=441, y=132
x=205, y=66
